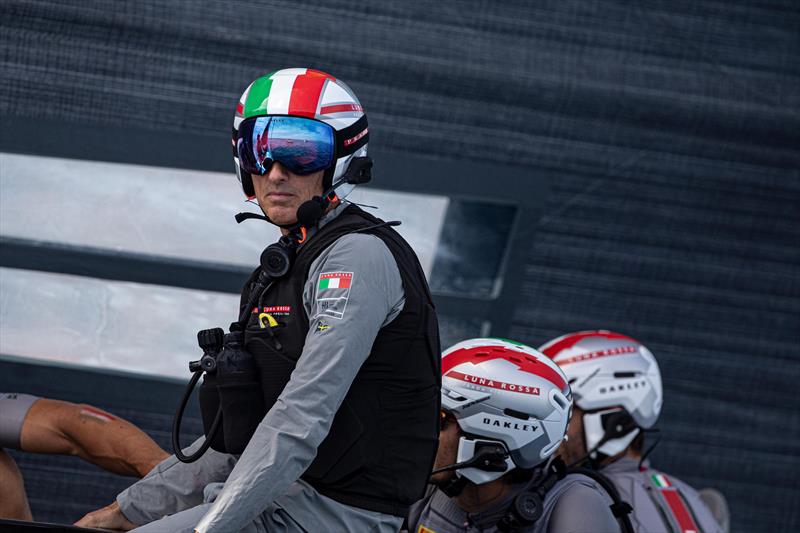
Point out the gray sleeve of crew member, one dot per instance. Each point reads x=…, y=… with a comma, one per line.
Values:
x=14, y=408
x=173, y=486
x=286, y=441
x=583, y=509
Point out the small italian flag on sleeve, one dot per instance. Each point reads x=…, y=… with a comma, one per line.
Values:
x=661, y=481
x=335, y=280
x=333, y=291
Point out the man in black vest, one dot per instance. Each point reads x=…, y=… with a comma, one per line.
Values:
x=346, y=342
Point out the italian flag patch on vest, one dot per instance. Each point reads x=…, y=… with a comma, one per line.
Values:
x=335, y=280
x=333, y=291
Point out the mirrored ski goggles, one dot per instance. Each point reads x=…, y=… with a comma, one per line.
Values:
x=302, y=145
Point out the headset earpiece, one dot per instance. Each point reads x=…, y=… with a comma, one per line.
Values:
x=618, y=424
x=528, y=506
x=489, y=458
x=359, y=171
x=276, y=259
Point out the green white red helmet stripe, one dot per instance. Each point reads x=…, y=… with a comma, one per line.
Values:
x=300, y=92
x=306, y=91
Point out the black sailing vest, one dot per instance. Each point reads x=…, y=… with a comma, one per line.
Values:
x=379, y=452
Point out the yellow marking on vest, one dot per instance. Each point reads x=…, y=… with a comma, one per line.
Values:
x=423, y=529
x=271, y=322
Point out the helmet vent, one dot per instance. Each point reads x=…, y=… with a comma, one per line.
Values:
x=560, y=401
x=455, y=396
x=515, y=414
x=624, y=374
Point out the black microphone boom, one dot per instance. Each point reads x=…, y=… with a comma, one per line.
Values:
x=488, y=459
x=309, y=213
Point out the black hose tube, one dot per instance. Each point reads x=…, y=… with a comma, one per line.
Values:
x=176, y=425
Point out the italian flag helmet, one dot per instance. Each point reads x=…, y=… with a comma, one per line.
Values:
x=307, y=93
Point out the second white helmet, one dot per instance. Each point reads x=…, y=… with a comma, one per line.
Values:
x=608, y=371
x=508, y=393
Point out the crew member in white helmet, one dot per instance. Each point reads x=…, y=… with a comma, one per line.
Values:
x=617, y=392
x=505, y=409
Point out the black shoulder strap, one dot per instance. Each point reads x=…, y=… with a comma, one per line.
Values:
x=620, y=508
x=247, y=287
x=527, y=507
x=349, y=220
x=354, y=219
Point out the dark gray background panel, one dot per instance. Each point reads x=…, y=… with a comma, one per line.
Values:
x=664, y=131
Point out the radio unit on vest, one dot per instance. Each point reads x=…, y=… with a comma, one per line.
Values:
x=276, y=259
x=230, y=380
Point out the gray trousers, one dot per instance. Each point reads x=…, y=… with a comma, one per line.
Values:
x=301, y=509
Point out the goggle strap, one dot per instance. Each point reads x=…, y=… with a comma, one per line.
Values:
x=351, y=138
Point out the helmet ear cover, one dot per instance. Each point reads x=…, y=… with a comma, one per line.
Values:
x=482, y=460
x=617, y=424
x=244, y=177
x=347, y=142
x=608, y=432
x=247, y=183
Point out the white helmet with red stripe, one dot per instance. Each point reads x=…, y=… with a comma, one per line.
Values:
x=504, y=392
x=308, y=93
x=608, y=371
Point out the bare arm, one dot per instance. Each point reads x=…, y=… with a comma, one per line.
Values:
x=114, y=444
x=13, y=502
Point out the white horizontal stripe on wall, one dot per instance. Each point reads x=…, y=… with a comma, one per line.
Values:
x=133, y=327
x=169, y=212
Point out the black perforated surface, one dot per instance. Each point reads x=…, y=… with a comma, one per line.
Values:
x=668, y=131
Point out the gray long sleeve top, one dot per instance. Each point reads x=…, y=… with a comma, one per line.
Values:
x=286, y=440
